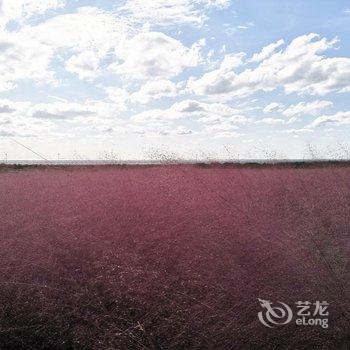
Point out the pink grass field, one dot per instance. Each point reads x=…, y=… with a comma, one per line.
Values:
x=172, y=257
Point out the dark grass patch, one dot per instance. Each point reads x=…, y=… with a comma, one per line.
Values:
x=172, y=257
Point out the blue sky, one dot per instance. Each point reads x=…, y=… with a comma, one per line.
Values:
x=202, y=79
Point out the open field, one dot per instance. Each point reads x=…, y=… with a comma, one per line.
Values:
x=172, y=257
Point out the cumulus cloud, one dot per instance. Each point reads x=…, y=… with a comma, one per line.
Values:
x=60, y=110
x=202, y=110
x=210, y=118
x=118, y=95
x=272, y=107
x=227, y=134
x=232, y=61
x=35, y=119
x=154, y=55
x=89, y=36
x=5, y=107
x=267, y=51
x=8, y=106
x=216, y=82
x=219, y=127
x=83, y=40
x=299, y=68
x=297, y=131
x=23, y=58
x=303, y=108
x=85, y=64
x=29, y=52
x=183, y=131
x=170, y=12
x=340, y=118
x=86, y=28
x=22, y=9
x=136, y=52
x=85, y=112
x=153, y=90
x=15, y=120
x=270, y=121
x=154, y=115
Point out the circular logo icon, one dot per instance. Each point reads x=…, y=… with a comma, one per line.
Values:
x=274, y=315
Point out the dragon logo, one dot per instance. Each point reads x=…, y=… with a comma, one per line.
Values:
x=274, y=315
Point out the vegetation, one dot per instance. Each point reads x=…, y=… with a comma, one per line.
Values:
x=172, y=257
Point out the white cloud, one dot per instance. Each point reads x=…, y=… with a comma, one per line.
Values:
x=23, y=58
x=227, y=134
x=220, y=127
x=135, y=48
x=154, y=115
x=42, y=119
x=85, y=64
x=84, y=112
x=212, y=118
x=154, y=90
x=87, y=28
x=204, y=109
x=270, y=121
x=299, y=68
x=154, y=55
x=297, y=131
x=23, y=9
x=6, y=107
x=60, y=110
x=303, y=108
x=89, y=34
x=217, y=81
x=340, y=118
x=267, y=51
x=170, y=12
x=15, y=121
x=232, y=61
x=189, y=106
x=88, y=37
x=118, y=95
x=274, y=106
x=83, y=40
x=183, y=131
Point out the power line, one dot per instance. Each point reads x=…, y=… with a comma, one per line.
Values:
x=36, y=153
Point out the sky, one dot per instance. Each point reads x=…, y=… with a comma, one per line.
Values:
x=202, y=79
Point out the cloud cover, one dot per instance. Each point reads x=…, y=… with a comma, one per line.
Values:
x=161, y=68
x=298, y=68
